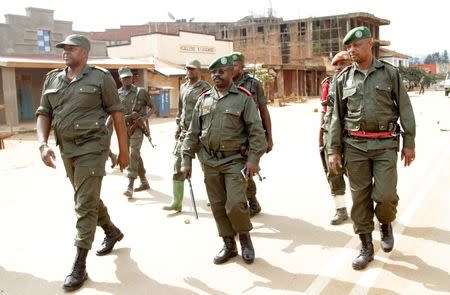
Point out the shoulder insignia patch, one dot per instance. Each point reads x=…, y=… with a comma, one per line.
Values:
x=203, y=92
x=243, y=89
x=55, y=71
x=101, y=69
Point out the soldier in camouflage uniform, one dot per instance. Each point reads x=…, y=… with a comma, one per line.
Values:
x=75, y=102
x=224, y=119
x=254, y=86
x=370, y=98
x=190, y=91
x=138, y=106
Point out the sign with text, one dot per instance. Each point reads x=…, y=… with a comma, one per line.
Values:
x=197, y=49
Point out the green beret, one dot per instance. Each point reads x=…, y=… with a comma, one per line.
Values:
x=193, y=63
x=75, y=40
x=237, y=56
x=221, y=62
x=125, y=72
x=356, y=34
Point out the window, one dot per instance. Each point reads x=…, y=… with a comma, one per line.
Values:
x=260, y=29
x=43, y=38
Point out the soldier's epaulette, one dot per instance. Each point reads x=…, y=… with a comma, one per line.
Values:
x=343, y=71
x=100, y=69
x=243, y=89
x=55, y=70
x=203, y=92
x=388, y=63
x=326, y=78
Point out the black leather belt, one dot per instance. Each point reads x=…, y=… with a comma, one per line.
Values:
x=221, y=154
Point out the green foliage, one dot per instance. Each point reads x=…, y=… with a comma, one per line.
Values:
x=436, y=57
x=413, y=76
x=263, y=76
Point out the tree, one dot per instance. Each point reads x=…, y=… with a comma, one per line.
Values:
x=445, y=56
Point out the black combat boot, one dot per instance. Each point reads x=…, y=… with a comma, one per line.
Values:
x=228, y=251
x=113, y=235
x=340, y=216
x=248, y=253
x=365, y=254
x=144, y=185
x=254, y=206
x=387, y=237
x=78, y=275
x=129, y=192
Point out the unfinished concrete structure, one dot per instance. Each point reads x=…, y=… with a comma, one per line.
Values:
x=297, y=51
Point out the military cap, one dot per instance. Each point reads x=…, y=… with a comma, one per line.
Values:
x=125, y=72
x=342, y=55
x=193, y=63
x=238, y=56
x=221, y=62
x=356, y=34
x=76, y=40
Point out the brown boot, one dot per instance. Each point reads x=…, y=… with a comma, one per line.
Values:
x=248, y=253
x=365, y=254
x=78, y=274
x=228, y=251
x=144, y=185
x=113, y=235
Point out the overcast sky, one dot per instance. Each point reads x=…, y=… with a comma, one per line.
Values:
x=416, y=29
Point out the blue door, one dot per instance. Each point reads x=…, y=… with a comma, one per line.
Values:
x=25, y=99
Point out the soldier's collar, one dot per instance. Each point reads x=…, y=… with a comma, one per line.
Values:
x=233, y=89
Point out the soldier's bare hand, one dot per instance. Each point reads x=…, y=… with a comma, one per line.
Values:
x=250, y=169
x=187, y=171
x=408, y=154
x=123, y=160
x=335, y=162
x=48, y=156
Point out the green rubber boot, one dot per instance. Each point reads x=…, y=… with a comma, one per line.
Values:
x=178, y=193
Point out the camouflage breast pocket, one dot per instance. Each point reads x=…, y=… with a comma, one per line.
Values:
x=88, y=96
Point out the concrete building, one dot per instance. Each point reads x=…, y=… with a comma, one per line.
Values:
x=169, y=53
x=27, y=53
x=298, y=51
x=396, y=58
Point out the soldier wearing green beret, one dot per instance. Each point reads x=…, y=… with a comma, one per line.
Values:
x=243, y=79
x=224, y=119
x=370, y=98
x=190, y=91
x=138, y=107
x=75, y=102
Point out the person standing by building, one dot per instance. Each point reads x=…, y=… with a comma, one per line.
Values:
x=138, y=107
x=190, y=91
x=337, y=183
x=75, y=102
x=254, y=86
x=370, y=98
x=224, y=119
x=422, y=85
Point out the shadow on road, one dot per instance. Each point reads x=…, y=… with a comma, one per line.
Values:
x=418, y=271
x=23, y=283
x=428, y=233
x=298, y=231
x=133, y=281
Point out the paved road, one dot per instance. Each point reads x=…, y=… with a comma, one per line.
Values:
x=298, y=252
